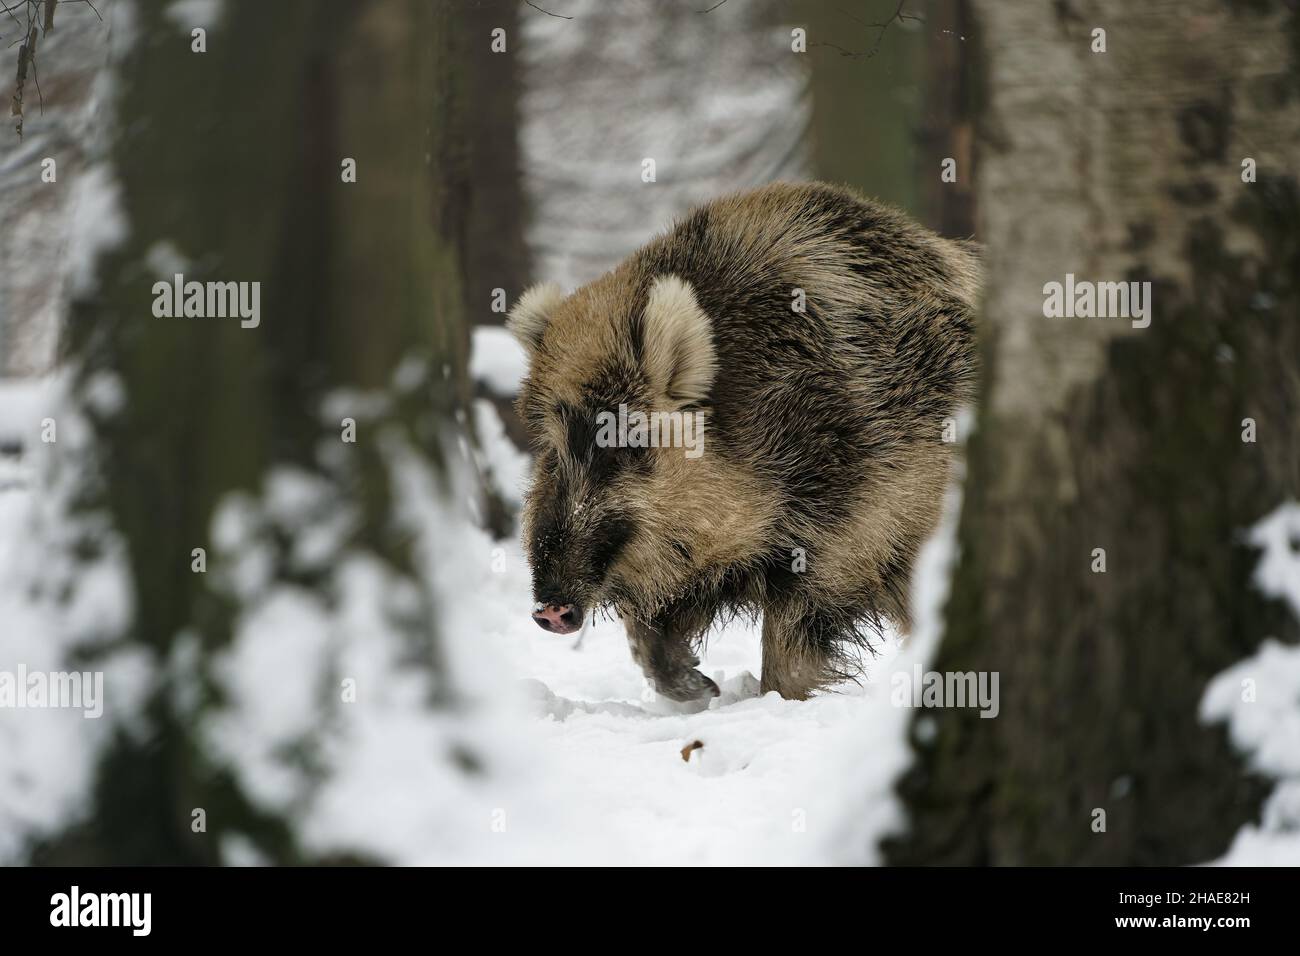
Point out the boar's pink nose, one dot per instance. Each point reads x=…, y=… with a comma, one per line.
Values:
x=557, y=618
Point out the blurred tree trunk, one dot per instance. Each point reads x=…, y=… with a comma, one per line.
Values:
x=232, y=161
x=496, y=256
x=947, y=130
x=1115, y=166
x=866, y=71
x=496, y=207
x=874, y=72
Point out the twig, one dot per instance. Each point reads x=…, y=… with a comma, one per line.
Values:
x=531, y=4
x=35, y=26
x=12, y=16
x=36, y=78
x=577, y=645
x=26, y=57
x=880, y=29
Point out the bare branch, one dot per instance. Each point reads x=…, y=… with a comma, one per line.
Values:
x=880, y=28
x=12, y=16
x=531, y=4
x=26, y=58
x=36, y=78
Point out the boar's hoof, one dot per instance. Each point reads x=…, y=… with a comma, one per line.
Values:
x=685, y=685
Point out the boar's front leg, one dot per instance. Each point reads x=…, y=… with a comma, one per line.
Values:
x=665, y=657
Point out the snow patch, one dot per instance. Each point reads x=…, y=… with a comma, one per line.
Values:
x=497, y=360
x=98, y=225
x=65, y=596
x=185, y=15
x=1259, y=700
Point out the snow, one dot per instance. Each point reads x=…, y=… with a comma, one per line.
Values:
x=187, y=14
x=597, y=757
x=1278, y=572
x=53, y=605
x=497, y=360
x=497, y=457
x=98, y=224
x=271, y=675
x=165, y=260
x=1259, y=700
x=24, y=402
x=1256, y=847
x=542, y=749
x=97, y=221
x=573, y=758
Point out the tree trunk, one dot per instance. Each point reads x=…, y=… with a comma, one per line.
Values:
x=496, y=211
x=1092, y=434
x=866, y=66
x=229, y=164
x=946, y=127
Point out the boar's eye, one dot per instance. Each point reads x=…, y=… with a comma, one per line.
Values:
x=609, y=463
x=599, y=465
x=580, y=434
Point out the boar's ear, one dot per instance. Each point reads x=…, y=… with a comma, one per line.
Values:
x=678, y=342
x=527, y=320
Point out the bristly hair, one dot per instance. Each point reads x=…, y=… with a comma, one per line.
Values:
x=829, y=337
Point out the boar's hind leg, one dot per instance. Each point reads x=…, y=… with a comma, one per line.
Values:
x=799, y=652
x=666, y=659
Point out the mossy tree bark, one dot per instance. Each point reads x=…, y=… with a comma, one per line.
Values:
x=232, y=160
x=1118, y=166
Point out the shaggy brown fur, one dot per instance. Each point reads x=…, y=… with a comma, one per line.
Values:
x=824, y=464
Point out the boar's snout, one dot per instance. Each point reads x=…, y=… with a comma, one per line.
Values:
x=558, y=618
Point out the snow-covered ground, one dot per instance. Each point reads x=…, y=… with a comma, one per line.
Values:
x=578, y=762
x=574, y=760
x=774, y=781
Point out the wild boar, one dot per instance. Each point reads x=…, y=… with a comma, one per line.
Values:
x=818, y=342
